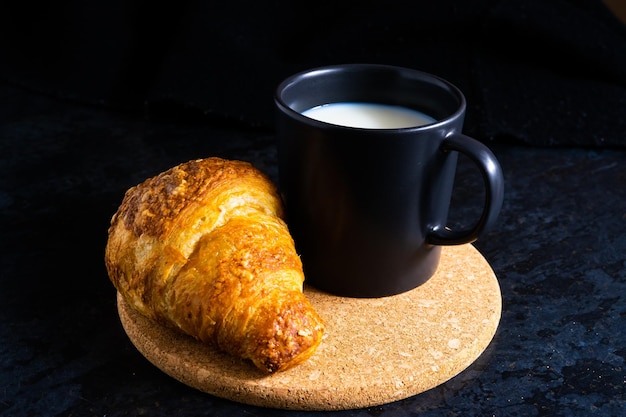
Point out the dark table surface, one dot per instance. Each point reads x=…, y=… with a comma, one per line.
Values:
x=558, y=249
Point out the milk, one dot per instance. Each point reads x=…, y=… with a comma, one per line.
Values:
x=368, y=115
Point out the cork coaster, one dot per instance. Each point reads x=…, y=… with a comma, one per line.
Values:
x=375, y=351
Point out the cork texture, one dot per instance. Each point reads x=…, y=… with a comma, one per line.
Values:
x=375, y=351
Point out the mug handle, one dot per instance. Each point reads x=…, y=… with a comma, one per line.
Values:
x=494, y=190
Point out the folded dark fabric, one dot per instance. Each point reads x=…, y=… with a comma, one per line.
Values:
x=552, y=73
x=548, y=73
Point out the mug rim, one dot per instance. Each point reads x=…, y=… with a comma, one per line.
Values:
x=317, y=71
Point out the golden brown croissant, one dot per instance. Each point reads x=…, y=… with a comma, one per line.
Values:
x=202, y=248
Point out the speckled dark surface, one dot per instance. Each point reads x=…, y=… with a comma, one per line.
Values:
x=559, y=251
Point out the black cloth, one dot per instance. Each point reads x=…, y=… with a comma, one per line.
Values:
x=543, y=72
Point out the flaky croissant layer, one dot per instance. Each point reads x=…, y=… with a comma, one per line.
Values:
x=203, y=248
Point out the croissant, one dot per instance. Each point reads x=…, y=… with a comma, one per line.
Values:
x=202, y=248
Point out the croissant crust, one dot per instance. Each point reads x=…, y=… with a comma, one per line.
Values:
x=203, y=248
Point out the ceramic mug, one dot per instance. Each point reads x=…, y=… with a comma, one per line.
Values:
x=367, y=206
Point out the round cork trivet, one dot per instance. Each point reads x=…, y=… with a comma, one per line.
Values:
x=375, y=351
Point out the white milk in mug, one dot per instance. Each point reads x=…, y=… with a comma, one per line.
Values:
x=368, y=115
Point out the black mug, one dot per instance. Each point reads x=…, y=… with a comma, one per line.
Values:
x=367, y=207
